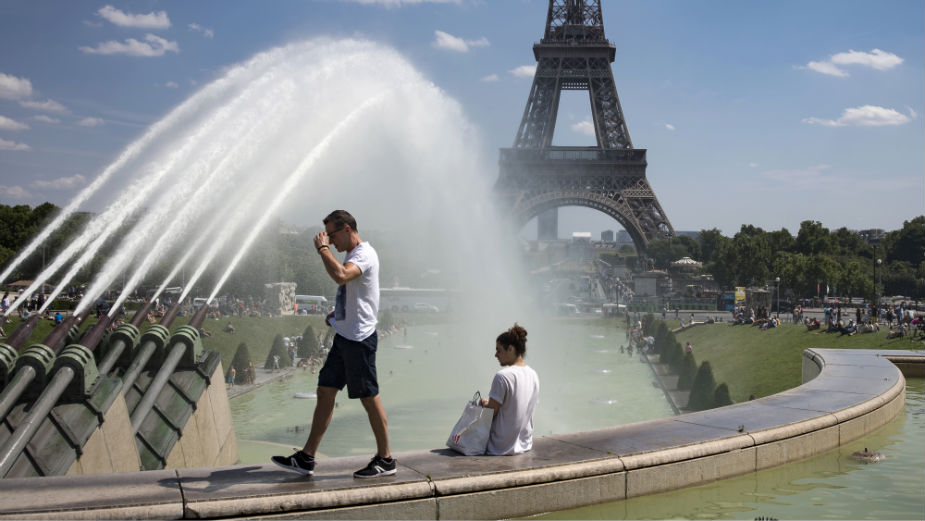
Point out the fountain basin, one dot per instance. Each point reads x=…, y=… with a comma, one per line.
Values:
x=854, y=392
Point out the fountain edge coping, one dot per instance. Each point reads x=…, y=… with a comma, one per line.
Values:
x=427, y=479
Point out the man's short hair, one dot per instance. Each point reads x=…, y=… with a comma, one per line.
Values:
x=340, y=218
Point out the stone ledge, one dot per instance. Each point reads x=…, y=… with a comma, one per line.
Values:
x=855, y=393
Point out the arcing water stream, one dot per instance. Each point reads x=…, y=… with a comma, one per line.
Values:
x=314, y=125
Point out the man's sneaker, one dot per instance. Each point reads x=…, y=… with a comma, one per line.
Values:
x=377, y=467
x=298, y=462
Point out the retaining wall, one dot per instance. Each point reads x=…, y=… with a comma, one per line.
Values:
x=846, y=395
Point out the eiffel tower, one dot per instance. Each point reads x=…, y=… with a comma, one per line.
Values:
x=536, y=178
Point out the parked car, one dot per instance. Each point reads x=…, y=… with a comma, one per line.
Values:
x=422, y=307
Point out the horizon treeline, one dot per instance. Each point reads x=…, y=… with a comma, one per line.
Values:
x=815, y=259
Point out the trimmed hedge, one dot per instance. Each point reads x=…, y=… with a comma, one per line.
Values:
x=703, y=389
x=687, y=372
x=242, y=358
x=309, y=346
x=279, y=350
x=721, y=396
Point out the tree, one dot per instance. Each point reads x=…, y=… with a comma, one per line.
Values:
x=309, y=346
x=278, y=349
x=780, y=240
x=687, y=372
x=848, y=244
x=702, y=389
x=711, y=242
x=813, y=239
x=908, y=243
x=721, y=397
x=791, y=268
x=723, y=264
x=240, y=362
x=752, y=255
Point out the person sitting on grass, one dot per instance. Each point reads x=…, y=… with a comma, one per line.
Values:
x=899, y=332
x=229, y=328
x=812, y=324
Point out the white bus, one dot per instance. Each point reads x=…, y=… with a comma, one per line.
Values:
x=311, y=304
x=420, y=300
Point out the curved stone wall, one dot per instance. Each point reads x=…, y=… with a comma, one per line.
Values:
x=846, y=395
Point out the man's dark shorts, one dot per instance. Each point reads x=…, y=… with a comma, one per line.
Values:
x=352, y=364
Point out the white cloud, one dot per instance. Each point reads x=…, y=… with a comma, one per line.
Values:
x=400, y=3
x=865, y=116
x=62, y=183
x=826, y=68
x=152, y=20
x=443, y=40
x=490, y=78
x=171, y=85
x=912, y=113
x=524, y=71
x=447, y=41
x=12, y=87
x=11, y=124
x=12, y=145
x=753, y=165
x=669, y=126
x=208, y=33
x=585, y=127
x=48, y=105
x=46, y=119
x=13, y=192
x=155, y=46
x=90, y=122
x=812, y=176
x=876, y=59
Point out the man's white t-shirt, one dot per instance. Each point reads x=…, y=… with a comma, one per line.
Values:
x=516, y=388
x=356, y=306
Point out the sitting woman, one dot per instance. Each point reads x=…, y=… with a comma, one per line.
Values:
x=513, y=396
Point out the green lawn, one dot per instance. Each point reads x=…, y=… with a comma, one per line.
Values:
x=751, y=361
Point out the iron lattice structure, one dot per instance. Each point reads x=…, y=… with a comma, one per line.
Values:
x=536, y=177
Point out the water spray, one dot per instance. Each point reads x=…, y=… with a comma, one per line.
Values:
x=293, y=179
x=215, y=90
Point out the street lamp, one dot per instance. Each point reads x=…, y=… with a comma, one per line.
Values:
x=777, y=281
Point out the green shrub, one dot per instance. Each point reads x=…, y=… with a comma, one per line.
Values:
x=721, y=397
x=672, y=355
x=648, y=325
x=242, y=358
x=702, y=389
x=309, y=346
x=687, y=372
x=279, y=350
x=661, y=337
x=386, y=319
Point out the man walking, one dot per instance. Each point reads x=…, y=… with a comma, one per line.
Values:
x=352, y=359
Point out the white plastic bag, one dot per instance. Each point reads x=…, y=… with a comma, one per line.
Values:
x=470, y=435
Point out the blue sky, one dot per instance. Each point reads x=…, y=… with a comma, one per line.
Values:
x=766, y=113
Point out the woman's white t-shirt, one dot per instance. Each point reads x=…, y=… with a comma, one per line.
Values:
x=516, y=388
